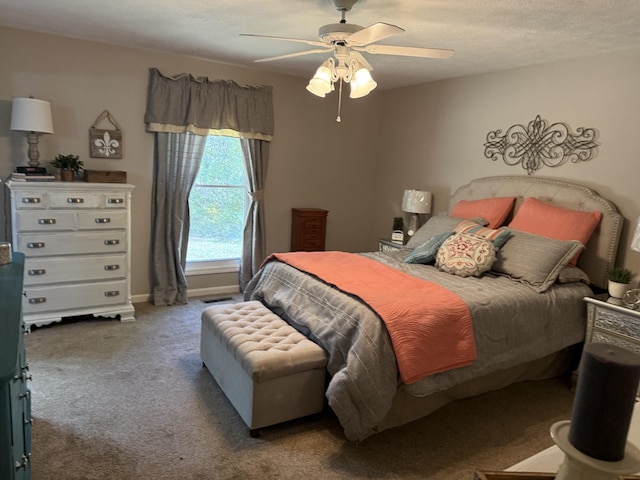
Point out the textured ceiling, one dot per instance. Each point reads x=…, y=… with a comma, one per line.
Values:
x=487, y=35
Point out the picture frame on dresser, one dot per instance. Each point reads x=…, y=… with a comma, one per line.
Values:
x=76, y=238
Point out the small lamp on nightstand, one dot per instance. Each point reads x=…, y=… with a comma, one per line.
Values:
x=635, y=240
x=416, y=202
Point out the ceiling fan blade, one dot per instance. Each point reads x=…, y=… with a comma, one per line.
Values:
x=407, y=51
x=358, y=56
x=297, y=54
x=315, y=43
x=373, y=33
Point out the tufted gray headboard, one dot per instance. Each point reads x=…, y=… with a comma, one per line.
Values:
x=599, y=254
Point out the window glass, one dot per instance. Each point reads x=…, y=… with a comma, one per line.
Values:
x=217, y=203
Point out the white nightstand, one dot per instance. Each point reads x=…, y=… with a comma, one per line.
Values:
x=388, y=245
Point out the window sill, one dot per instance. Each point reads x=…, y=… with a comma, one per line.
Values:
x=213, y=267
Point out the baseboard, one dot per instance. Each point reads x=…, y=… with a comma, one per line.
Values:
x=194, y=292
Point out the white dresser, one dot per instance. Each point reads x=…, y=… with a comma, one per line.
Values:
x=76, y=239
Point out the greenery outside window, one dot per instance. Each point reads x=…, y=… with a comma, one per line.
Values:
x=218, y=203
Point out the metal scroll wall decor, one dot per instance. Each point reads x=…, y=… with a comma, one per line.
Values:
x=540, y=144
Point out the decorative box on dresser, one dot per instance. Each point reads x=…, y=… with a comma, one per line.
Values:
x=15, y=396
x=76, y=239
x=308, y=229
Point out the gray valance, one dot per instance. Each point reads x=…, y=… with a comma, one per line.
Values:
x=208, y=107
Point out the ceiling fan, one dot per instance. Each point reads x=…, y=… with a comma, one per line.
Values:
x=346, y=41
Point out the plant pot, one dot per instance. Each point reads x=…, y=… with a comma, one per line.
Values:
x=67, y=175
x=617, y=290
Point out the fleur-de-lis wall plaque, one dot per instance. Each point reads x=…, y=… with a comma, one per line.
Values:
x=105, y=143
x=539, y=144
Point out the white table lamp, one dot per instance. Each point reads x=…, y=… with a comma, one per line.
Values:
x=635, y=240
x=416, y=202
x=34, y=117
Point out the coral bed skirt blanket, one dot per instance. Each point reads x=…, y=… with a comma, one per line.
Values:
x=430, y=327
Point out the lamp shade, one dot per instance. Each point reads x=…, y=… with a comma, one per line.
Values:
x=31, y=115
x=416, y=201
x=321, y=83
x=635, y=241
x=361, y=83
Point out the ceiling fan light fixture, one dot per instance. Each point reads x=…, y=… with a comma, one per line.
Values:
x=321, y=83
x=361, y=84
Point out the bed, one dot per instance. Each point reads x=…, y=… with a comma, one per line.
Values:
x=525, y=308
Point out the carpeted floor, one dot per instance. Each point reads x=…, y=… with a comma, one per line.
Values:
x=116, y=400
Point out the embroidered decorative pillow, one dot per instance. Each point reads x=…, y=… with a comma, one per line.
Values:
x=495, y=210
x=540, y=218
x=426, y=252
x=465, y=255
x=498, y=237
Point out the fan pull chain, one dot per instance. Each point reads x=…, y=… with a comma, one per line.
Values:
x=338, y=119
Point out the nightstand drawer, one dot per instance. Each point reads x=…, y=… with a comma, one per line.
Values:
x=616, y=322
x=605, y=337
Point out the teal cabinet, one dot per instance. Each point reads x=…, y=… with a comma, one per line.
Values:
x=15, y=396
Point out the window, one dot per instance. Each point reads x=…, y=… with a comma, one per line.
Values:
x=217, y=206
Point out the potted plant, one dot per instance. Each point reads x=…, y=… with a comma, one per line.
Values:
x=397, y=236
x=69, y=165
x=619, y=281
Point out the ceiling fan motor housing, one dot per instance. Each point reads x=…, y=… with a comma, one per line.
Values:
x=337, y=32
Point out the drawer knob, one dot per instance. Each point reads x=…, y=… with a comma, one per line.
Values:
x=111, y=267
x=115, y=200
x=103, y=220
x=46, y=221
x=31, y=200
x=37, y=300
x=37, y=271
x=112, y=242
x=112, y=293
x=75, y=200
x=35, y=245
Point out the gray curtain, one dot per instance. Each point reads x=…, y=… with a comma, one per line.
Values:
x=256, y=157
x=177, y=160
x=181, y=111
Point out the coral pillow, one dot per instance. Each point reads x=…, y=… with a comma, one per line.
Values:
x=493, y=210
x=560, y=223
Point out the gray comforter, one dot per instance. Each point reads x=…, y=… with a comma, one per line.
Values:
x=512, y=325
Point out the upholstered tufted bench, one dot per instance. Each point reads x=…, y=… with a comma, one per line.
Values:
x=269, y=371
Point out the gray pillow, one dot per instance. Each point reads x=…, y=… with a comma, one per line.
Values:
x=438, y=225
x=534, y=259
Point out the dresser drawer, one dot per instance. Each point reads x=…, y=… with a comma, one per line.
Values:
x=45, y=244
x=46, y=270
x=73, y=296
x=74, y=200
x=29, y=200
x=44, y=220
x=614, y=321
x=102, y=219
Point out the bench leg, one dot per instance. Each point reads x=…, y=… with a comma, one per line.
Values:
x=254, y=432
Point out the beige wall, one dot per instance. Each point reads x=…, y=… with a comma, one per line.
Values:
x=314, y=161
x=434, y=133
x=429, y=136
